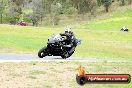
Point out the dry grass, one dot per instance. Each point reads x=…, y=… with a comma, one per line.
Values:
x=56, y=74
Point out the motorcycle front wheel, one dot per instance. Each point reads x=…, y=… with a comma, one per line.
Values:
x=42, y=52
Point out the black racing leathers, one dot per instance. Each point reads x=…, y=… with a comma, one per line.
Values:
x=70, y=40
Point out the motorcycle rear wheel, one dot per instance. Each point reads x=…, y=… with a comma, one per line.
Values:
x=66, y=55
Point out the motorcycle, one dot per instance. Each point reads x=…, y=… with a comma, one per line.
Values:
x=56, y=47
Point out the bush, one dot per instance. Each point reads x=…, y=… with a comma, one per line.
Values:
x=13, y=18
x=70, y=11
x=27, y=18
x=55, y=20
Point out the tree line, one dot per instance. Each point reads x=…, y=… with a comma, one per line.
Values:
x=33, y=11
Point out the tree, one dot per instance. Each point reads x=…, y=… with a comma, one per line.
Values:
x=129, y=2
x=14, y=11
x=13, y=18
x=55, y=11
x=1, y=10
x=122, y=2
x=93, y=7
x=67, y=8
x=18, y=2
x=35, y=18
x=99, y=2
x=38, y=11
x=85, y=6
x=105, y=3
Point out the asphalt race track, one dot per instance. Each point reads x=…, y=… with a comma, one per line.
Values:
x=12, y=57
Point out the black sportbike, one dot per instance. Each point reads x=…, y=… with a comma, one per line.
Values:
x=56, y=47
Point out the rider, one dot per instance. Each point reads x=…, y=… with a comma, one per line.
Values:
x=70, y=39
x=124, y=28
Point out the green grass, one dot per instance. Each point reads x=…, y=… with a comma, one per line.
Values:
x=108, y=24
x=111, y=21
x=98, y=44
x=23, y=38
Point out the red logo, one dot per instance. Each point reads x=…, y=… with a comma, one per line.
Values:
x=83, y=78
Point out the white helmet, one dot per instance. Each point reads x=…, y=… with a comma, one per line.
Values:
x=68, y=30
x=124, y=28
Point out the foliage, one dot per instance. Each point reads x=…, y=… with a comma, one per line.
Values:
x=122, y=2
x=69, y=10
x=55, y=11
x=13, y=18
x=105, y=3
x=1, y=10
x=53, y=8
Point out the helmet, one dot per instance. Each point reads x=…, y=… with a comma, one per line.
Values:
x=124, y=27
x=68, y=30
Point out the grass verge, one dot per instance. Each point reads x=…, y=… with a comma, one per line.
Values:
x=58, y=74
x=97, y=44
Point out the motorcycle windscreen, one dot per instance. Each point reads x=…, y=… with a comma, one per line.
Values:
x=55, y=38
